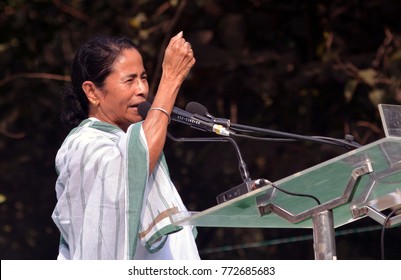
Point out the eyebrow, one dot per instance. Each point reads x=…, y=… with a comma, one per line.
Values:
x=133, y=75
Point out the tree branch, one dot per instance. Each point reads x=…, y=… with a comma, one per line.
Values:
x=73, y=12
x=47, y=76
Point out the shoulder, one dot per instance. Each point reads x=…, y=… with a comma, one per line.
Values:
x=87, y=140
x=91, y=128
x=90, y=134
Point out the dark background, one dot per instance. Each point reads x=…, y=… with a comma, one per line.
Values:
x=306, y=67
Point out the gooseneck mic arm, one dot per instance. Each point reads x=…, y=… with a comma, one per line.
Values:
x=346, y=143
x=237, y=130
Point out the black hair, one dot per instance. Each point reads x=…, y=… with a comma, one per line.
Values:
x=92, y=62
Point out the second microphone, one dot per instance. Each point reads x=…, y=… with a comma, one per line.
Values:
x=193, y=120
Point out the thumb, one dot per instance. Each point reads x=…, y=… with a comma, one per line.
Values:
x=176, y=37
x=179, y=35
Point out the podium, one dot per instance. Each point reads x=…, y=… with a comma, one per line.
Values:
x=365, y=182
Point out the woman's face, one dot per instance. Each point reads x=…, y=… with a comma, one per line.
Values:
x=124, y=89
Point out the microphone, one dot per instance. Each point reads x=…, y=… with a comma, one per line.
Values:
x=182, y=116
x=198, y=109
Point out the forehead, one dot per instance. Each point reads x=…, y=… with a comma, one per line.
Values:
x=129, y=59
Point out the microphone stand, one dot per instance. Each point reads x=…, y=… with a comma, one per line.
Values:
x=242, y=166
x=248, y=184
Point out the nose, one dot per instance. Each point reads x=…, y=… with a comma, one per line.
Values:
x=142, y=87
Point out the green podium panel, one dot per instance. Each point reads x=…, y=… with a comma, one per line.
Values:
x=362, y=182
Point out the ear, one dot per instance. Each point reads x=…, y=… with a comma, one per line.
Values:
x=91, y=92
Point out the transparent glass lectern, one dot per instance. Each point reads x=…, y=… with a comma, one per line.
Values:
x=362, y=183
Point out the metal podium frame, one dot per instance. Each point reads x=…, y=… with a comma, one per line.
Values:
x=365, y=182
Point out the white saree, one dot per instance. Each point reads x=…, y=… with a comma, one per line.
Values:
x=109, y=206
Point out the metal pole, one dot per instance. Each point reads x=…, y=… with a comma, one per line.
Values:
x=324, y=243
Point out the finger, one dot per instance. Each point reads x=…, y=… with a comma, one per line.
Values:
x=177, y=43
x=178, y=36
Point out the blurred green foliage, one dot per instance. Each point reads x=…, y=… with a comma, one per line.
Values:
x=307, y=67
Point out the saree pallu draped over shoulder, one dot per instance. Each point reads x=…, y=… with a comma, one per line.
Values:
x=107, y=201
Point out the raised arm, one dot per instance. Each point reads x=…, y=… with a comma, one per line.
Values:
x=178, y=61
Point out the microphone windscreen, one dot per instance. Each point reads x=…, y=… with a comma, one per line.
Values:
x=143, y=109
x=196, y=108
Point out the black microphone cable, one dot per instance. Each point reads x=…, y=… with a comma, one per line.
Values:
x=297, y=194
x=384, y=228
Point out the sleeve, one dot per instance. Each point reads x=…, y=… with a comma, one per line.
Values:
x=99, y=201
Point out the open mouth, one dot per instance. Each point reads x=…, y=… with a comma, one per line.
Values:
x=135, y=106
